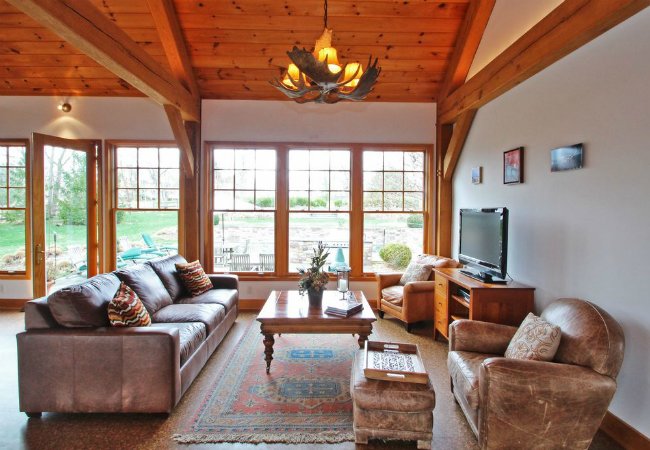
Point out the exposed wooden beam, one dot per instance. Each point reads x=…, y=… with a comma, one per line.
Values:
x=443, y=193
x=180, y=135
x=173, y=42
x=88, y=29
x=469, y=38
x=569, y=26
x=461, y=130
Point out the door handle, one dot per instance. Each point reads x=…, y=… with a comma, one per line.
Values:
x=40, y=253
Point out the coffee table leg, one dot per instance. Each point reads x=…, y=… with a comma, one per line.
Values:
x=268, y=351
x=362, y=338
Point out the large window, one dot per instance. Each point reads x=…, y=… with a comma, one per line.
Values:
x=270, y=205
x=13, y=207
x=148, y=199
x=319, y=204
x=393, y=205
x=243, y=213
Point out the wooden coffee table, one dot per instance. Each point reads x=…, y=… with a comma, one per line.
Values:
x=289, y=312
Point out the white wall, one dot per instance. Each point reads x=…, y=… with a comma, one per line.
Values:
x=90, y=118
x=282, y=121
x=580, y=233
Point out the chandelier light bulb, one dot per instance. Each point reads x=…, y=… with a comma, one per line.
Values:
x=65, y=107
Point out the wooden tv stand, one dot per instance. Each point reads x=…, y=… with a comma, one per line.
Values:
x=507, y=304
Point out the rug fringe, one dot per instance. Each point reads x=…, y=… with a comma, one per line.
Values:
x=329, y=437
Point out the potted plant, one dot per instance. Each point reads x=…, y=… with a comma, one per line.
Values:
x=313, y=279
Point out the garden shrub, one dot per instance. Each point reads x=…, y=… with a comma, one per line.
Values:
x=265, y=202
x=397, y=256
x=415, y=221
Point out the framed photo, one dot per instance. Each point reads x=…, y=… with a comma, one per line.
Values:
x=476, y=175
x=513, y=166
x=567, y=158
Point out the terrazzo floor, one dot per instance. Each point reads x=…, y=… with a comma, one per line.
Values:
x=142, y=431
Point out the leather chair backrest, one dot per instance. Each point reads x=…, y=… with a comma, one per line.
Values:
x=590, y=336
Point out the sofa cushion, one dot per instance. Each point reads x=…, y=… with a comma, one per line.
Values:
x=126, y=309
x=388, y=395
x=536, y=340
x=191, y=336
x=225, y=297
x=393, y=294
x=209, y=314
x=144, y=281
x=166, y=270
x=464, y=372
x=416, y=272
x=84, y=304
x=194, y=278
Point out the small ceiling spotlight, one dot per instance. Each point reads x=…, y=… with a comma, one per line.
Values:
x=65, y=107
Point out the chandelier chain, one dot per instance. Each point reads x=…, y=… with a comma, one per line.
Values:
x=325, y=15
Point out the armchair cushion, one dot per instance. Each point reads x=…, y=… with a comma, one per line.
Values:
x=536, y=339
x=393, y=294
x=126, y=309
x=416, y=272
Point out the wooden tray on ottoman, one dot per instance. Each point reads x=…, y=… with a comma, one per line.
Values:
x=392, y=361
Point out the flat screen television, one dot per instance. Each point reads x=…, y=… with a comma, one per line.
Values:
x=484, y=243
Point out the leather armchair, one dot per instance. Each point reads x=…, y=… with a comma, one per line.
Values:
x=511, y=403
x=412, y=302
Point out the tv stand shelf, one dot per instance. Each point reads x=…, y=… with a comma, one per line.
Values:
x=506, y=304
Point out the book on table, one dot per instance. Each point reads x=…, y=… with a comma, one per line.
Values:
x=344, y=307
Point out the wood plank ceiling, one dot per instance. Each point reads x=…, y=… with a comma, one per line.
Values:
x=236, y=46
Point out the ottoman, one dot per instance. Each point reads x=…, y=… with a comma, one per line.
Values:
x=390, y=409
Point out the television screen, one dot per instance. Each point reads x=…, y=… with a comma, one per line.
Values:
x=483, y=239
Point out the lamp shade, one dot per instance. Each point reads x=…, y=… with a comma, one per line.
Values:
x=329, y=53
x=353, y=72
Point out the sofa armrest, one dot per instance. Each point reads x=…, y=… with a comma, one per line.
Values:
x=553, y=405
x=99, y=369
x=224, y=281
x=387, y=279
x=480, y=337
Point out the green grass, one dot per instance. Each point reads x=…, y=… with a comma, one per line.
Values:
x=12, y=237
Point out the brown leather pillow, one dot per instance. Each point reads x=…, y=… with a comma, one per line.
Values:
x=165, y=268
x=194, y=278
x=536, y=340
x=144, y=281
x=84, y=304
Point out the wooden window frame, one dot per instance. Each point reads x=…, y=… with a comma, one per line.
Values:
x=111, y=195
x=27, y=273
x=282, y=210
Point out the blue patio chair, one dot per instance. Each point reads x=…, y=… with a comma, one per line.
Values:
x=153, y=247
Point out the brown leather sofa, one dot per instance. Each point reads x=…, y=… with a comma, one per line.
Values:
x=412, y=302
x=512, y=403
x=71, y=360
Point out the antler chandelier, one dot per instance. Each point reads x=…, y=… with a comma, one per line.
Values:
x=318, y=76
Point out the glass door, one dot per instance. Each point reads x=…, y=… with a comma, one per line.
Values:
x=64, y=200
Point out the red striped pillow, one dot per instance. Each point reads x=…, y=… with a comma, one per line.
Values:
x=126, y=309
x=194, y=278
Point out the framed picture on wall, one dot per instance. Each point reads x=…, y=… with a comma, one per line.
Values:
x=476, y=175
x=513, y=166
x=567, y=158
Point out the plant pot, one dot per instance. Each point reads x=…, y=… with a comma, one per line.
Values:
x=315, y=297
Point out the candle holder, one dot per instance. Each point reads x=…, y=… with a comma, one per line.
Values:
x=343, y=280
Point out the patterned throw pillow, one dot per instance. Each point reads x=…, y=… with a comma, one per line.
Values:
x=415, y=272
x=194, y=278
x=126, y=309
x=536, y=340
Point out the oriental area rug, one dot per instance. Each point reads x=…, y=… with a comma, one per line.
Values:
x=305, y=398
